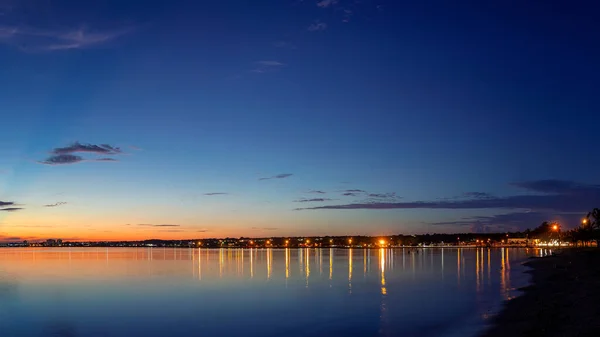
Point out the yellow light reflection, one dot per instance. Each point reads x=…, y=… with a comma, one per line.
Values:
x=269, y=263
x=350, y=269
x=320, y=261
x=477, y=284
x=251, y=263
x=364, y=262
x=503, y=273
x=287, y=263
x=307, y=266
x=382, y=267
x=199, y=263
x=330, y=263
x=221, y=261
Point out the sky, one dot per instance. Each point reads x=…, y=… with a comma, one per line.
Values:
x=196, y=119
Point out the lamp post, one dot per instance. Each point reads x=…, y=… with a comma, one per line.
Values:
x=556, y=228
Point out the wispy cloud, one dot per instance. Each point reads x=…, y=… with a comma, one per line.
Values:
x=478, y=195
x=513, y=221
x=215, y=193
x=62, y=159
x=326, y=3
x=162, y=225
x=65, y=155
x=104, y=149
x=60, y=203
x=555, y=195
x=265, y=228
x=313, y=200
x=317, y=192
x=10, y=209
x=39, y=40
x=267, y=66
x=317, y=26
x=279, y=176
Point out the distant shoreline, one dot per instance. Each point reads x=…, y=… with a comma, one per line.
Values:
x=563, y=300
x=293, y=247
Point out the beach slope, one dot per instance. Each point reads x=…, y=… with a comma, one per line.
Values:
x=563, y=300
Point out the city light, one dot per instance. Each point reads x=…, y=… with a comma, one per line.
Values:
x=382, y=242
x=584, y=221
x=555, y=227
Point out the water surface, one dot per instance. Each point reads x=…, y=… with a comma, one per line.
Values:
x=127, y=292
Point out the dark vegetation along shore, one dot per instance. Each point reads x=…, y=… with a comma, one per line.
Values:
x=563, y=300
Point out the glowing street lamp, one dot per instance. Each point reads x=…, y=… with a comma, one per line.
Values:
x=555, y=227
x=381, y=242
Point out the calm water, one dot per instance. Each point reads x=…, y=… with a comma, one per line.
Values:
x=295, y=292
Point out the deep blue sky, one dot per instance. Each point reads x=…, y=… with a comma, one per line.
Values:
x=425, y=103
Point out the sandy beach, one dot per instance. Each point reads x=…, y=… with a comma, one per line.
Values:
x=563, y=300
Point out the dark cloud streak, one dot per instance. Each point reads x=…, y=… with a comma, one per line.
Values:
x=279, y=176
x=60, y=203
x=313, y=200
x=559, y=196
x=89, y=148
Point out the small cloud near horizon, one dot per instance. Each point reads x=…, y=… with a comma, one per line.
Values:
x=279, y=176
x=313, y=200
x=161, y=225
x=9, y=206
x=65, y=155
x=215, y=193
x=60, y=203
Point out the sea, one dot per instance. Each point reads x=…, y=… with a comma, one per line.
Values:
x=152, y=292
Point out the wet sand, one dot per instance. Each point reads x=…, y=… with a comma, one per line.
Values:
x=563, y=300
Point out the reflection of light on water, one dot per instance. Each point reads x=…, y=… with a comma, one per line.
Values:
x=489, y=252
x=301, y=260
x=221, y=261
x=350, y=270
x=330, y=263
x=503, y=273
x=477, y=283
x=442, y=259
x=364, y=262
x=307, y=267
x=199, y=264
x=382, y=268
x=251, y=263
x=287, y=263
x=269, y=262
x=320, y=261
